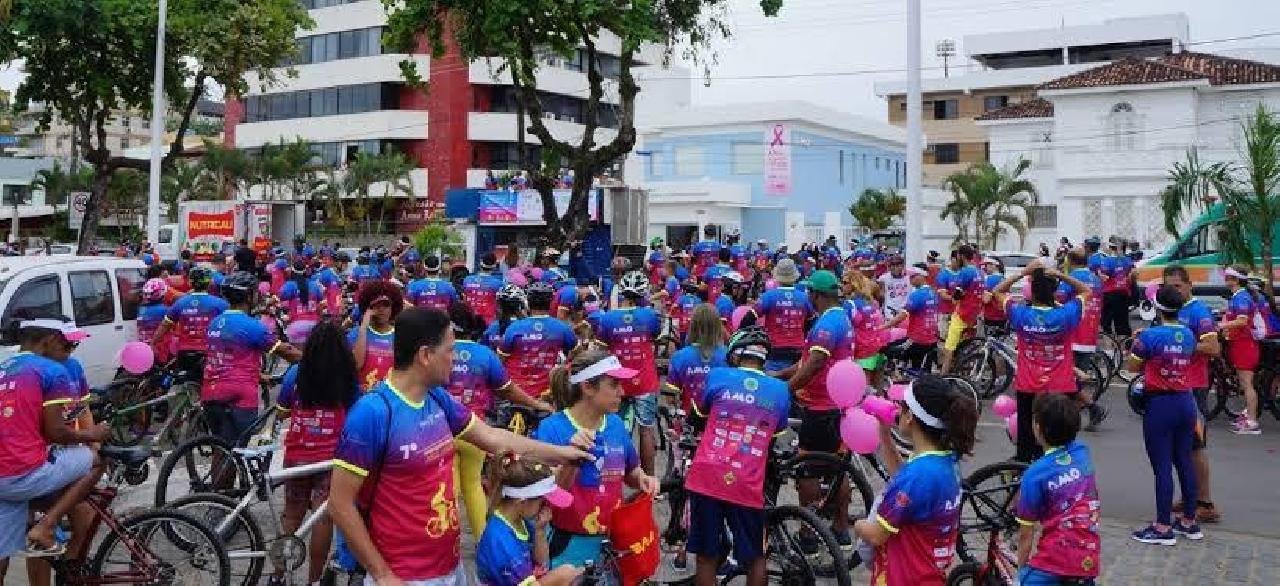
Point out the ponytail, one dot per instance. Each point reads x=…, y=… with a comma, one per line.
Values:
x=510, y=469
x=564, y=393
x=561, y=390
x=956, y=409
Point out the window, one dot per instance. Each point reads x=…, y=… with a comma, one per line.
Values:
x=39, y=297
x=656, y=161
x=946, y=153
x=689, y=161
x=946, y=109
x=129, y=285
x=124, y=142
x=1123, y=123
x=748, y=158
x=1042, y=217
x=92, y=302
x=165, y=235
x=877, y=163
x=990, y=103
x=840, y=165
x=16, y=194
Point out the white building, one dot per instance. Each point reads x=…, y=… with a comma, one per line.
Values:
x=1102, y=141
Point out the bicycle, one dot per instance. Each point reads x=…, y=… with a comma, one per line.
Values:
x=159, y=546
x=987, y=505
x=988, y=362
x=131, y=405
x=211, y=464
x=233, y=523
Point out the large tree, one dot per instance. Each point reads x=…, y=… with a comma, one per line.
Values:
x=86, y=59
x=877, y=209
x=995, y=200
x=518, y=34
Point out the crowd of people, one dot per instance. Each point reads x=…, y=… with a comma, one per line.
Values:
x=528, y=396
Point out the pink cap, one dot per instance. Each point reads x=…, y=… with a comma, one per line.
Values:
x=916, y=271
x=545, y=488
x=610, y=366
x=1232, y=273
x=67, y=329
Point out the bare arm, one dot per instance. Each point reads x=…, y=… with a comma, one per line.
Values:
x=871, y=531
x=499, y=441
x=287, y=351
x=1209, y=344
x=344, y=486
x=1082, y=290
x=513, y=393
x=361, y=347
x=56, y=431
x=1026, y=539
x=808, y=368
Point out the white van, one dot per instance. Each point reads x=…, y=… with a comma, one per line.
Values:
x=100, y=293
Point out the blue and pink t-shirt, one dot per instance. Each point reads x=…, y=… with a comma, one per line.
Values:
x=1114, y=271
x=431, y=293
x=481, y=294
x=191, y=315
x=1241, y=305
x=1166, y=350
x=921, y=508
x=992, y=310
x=412, y=507
x=504, y=554
x=332, y=283
x=534, y=345
x=233, y=362
x=1199, y=319
x=28, y=383
x=629, y=333
x=1044, y=345
x=682, y=312
x=922, y=311
x=867, y=319
x=1059, y=492
x=277, y=270
x=1086, y=335
x=303, y=306
x=783, y=312
x=313, y=431
x=832, y=334
x=657, y=264
x=688, y=369
x=968, y=280
x=705, y=254
x=714, y=278
x=477, y=374
x=150, y=316
x=597, y=488
x=744, y=408
x=379, y=354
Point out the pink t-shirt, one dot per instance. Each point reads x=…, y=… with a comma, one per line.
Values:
x=744, y=409
x=28, y=382
x=1044, y=346
x=233, y=362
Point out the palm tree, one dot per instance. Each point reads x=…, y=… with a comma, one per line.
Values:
x=361, y=175
x=876, y=209
x=331, y=187
x=179, y=184
x=227, y=172
x=58, y=184
x=1192, y=184
x=995, y=200
x=394, y=169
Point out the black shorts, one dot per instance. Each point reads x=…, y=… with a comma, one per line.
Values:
x=914, y=353
x=714, y=523
x=820, y=431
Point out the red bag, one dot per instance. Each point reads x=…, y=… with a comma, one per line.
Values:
x=634, y=535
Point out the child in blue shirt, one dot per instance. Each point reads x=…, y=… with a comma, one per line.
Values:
x=513, y=549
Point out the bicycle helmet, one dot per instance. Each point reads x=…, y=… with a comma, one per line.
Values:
x=539, y=295
x=238, y=287
x=620, y=263
x=511, y=295
x=732, y=278
x=154, y=289
x=634, y=283
x=200, y=277
x=751, y=341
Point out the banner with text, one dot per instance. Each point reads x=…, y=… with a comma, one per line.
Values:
x=207, y=225
x=777, y=160
x=525, y=206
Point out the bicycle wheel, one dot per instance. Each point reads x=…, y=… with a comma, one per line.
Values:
x=1223, y=382
x=1268, y=384
x=1091, y=381
x=960, y=384
x=671, y=509
x=182, y=551
x=830, y=469
x=208, y=465
x=990, y=495
x=1137, y=402
x=971, y=574
x=801, y=549
x=246, y=548
x=979, y=368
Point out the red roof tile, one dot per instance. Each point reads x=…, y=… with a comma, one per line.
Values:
x=1034, y=108
x=1127, y=71
x=1224, y=70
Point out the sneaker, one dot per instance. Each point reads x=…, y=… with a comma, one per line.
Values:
x=1245, y=426
x=1153, y=536
x=1191, y=531
x=1097, y=414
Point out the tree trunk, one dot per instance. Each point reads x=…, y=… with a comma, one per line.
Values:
x=93, y=208
x=1268, y=263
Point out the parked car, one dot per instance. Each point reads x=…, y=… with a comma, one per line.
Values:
x=1013, y=261
x=100, y=293
x=54, y=250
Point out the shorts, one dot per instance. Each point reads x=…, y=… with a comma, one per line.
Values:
x=782, y=359
x=1200, y=429
x=64, y=467
x=572, y=548
x=955, y=333
x=1243, y=354
x=820, y=431
x=231, y=424
x=313, y=489
x=710, y=517
x=1029, y=576
x=872, y=362
x=456, y=577
x=644, y=408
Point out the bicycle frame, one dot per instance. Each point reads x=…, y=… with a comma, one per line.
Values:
x=143, y=570
x=263, y=483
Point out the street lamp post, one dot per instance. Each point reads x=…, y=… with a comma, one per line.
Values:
x=915, y=136
x=157, y=131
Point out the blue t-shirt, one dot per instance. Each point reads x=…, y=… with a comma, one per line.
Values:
x=431, y=293
x=233, y=363
x=1166, y=350
x=597, y=489
x=150, y=316
x=535, y=344
x=191, y=315
x=687, y=372
x=1059, y=492
x=28, y=383
x=921, y=508
x=504, y=554
x=477, y=374
x=1044, y=345
x=629, y=333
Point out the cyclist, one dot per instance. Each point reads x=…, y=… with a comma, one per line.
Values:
x=687, y=372
x=152, y=313
x=278, y=270
x=372, y=342
x=733, y=293
x=964, y=287
x=1116, y=271
x=1044, y=330
x=783, y=311
x=921, y=314
x=1084, y=343
x=230, y=392
x=531, y=346
x=590, y=388
x=868, y=320
x=1163, y=354
x=656, y=261
x=726, y=479
x=480, y=290
x=513, y=549
x=993, y=316
x=331, y=279
x=1059, y=493
x=705, y=252
x=189, y=316
x=830, y=341
x=917, y=520
x=513, y=305
x=681, y=311
x=630, y=330
x=304, y=300
x=431, y=292
x=1197, y=316
x=398, y=442
x=315, y=396
x=1238, y=328
x=896, y=285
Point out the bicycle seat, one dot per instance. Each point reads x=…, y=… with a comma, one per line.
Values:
x=127, y=455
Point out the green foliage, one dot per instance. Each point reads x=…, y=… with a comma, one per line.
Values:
x=877, y=209
x=58, y=183
x=991, y=200
x=438, y=238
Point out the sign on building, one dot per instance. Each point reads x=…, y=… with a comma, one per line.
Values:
x=777, y=160
x=75, y=214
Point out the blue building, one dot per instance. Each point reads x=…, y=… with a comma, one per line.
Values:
x=722, y=165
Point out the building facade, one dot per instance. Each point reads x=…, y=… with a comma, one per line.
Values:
x=709, y=165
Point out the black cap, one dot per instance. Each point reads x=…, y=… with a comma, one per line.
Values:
x=431, y=263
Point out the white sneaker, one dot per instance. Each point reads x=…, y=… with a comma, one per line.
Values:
x=1246, y=426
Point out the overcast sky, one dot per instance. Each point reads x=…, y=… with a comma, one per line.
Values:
x=826, y=36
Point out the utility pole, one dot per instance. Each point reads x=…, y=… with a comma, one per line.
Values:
x=157, y=131
x=915, y=136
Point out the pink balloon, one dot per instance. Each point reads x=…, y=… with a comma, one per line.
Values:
x=736, y=319
x=860, y=431
x=517, y=278
x=896, y=334
x=1005, y=406
x=770, y=285
x=137, y=357
x=1152, y=288
x=898, y=392
x=1011, y=424
x=846, y=382
x=880, y=408
x=264, y=288
x=536, y=273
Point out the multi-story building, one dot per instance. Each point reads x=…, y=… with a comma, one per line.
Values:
x=1006, y=67
x=349, y=97
x=125, y=130
x=712, y=165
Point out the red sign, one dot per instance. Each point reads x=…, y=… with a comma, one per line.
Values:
x=217, y=224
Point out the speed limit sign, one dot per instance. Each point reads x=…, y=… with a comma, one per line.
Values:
x=79, y=203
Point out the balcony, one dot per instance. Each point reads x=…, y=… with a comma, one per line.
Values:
x=358, y=70
x=1105, y=163
x=556, y=80
x=379, y=125
x=501, y=127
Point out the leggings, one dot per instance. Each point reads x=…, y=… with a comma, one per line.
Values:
x=1029, y=449
x=1168, y=429
x=1115, y=313
x=467, y=466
